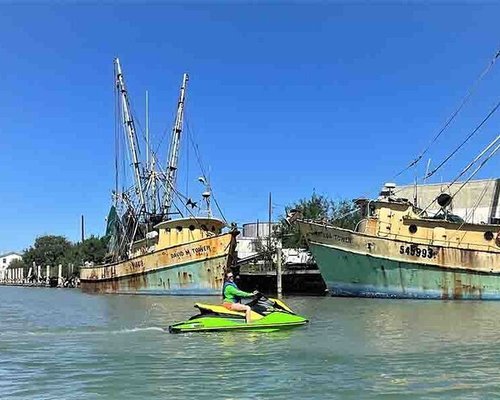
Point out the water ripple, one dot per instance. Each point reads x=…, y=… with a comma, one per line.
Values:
x=63, y=344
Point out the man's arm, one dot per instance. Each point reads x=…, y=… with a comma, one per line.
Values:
x=236, y=292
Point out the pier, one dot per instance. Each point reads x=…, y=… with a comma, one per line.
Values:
x=38, y=276
x=296, y=279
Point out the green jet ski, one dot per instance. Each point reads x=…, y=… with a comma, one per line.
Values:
x=267, y=315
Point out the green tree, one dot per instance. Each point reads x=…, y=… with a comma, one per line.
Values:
x=92, y=249
x=48, y=250
x=17, y=263
x=54, y=250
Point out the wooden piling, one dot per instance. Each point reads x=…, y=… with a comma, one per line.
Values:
x=278, y=270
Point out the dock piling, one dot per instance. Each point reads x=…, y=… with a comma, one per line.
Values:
x=59, y=276
x=278, y=270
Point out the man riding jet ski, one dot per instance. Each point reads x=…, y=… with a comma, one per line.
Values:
x=232, y=296
x=261, y=314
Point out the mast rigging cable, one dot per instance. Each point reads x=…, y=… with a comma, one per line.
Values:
x=464, y=142
x=455, y=113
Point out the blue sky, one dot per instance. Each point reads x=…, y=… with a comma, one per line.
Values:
x=287, y=98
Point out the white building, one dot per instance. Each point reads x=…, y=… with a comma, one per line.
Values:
x=5, y=260
x=252, y=237
x=477, y=202
x=255, y=235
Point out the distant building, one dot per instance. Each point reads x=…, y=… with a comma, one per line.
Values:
x=300, y=273
x=254, y=237
x=477, y=202
x=5, y=260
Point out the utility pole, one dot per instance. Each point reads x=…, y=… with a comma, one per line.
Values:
x=83, y=228
x=278, y=269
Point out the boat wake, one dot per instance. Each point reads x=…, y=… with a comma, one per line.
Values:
x=140, y=329
x=75, y=332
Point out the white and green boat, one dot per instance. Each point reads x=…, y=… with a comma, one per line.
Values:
x=396, y=252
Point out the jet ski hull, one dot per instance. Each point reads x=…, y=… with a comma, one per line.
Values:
x=272, y=322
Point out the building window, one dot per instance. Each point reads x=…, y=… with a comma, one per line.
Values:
x=5, y=261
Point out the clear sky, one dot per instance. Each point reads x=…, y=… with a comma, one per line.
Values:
x=283, y=98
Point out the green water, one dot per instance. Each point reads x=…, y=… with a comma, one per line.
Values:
x=62, y=344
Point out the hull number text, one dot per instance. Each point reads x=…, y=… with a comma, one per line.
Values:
x=417, y=251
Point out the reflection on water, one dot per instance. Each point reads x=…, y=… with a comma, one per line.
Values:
x=65, y=344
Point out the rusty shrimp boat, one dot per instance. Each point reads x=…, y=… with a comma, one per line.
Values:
x=403, y=249
x=395, y=252
x=160, y=240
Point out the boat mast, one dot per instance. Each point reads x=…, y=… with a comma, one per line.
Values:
x=128, y=124
x=174, y=148
x=147, y=128
x=150, y=164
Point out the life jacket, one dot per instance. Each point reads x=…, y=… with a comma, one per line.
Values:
x=226, y=284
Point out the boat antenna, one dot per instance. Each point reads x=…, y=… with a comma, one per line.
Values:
x=427, y=169
x=203, y=169
x=206, y=194
x=415, y=193
x=174, y=148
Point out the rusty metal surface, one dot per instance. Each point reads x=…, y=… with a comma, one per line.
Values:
x=194, y=268
x=195, y=278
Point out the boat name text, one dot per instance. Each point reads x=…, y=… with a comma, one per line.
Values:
x=335, y=237
x=137, y=264
x=193, y=251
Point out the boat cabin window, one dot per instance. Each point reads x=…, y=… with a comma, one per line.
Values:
x=413, y=228
x=191, y=227
x=179, y=228
x=488, y=235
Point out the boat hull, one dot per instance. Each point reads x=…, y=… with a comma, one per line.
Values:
x=195, y=268
x=354, y=275
x=361, y=265
x=270, y=323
